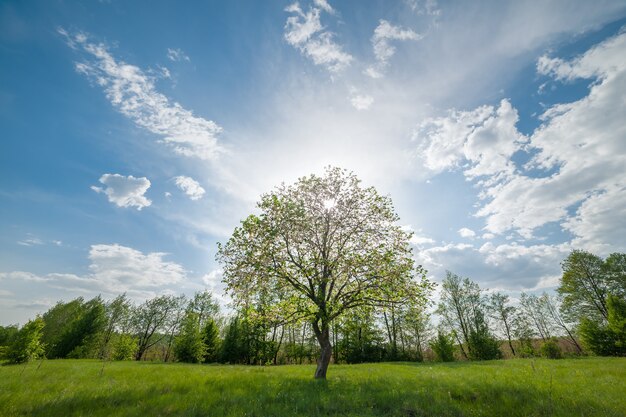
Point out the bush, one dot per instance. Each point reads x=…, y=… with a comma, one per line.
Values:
x=551, y=350
x=483, y=346
x=443, y=346
x=26, y=344
x=124, y=348
x=609, y=339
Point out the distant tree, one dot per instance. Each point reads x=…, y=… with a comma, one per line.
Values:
x=532, y=308
x=550, y=305
x=607, y=339
x=524, y=333
x=463, y=310
x=443, y=347
x=26, y=343
x=58, y=321
x=150, y=322
x=211, y=340
x=233, y=347
x=482, y=343
x=204, y=306
x=79, y=336
x=501, y=311
x=587, y=281
x=417, y=322
x=189, y=345
x=326, y=245
x=7, y=333
x=117, y=318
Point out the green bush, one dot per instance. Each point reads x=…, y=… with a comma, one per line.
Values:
x=551, y=350
x=26, y=344
x=443, y=346
x=124, y=348
x=607, y=339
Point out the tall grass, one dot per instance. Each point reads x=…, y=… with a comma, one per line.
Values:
x=531, y=387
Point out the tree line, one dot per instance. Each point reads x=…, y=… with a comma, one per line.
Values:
x=324, y=271
x=586, y=315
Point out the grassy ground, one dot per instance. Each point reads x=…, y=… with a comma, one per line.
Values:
x=572, y=387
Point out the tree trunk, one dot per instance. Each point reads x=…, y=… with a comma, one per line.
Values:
x=326, y=350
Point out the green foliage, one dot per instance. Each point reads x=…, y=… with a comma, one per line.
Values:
x=74, y=329
x=550, y=349
x=607, y=339
x=189, y=344
x=321, y=247
x=443, y=347
x=361, y=341
x=26, y=343
x=211, y=340
x=124, y=348
x=588, y=280
x=7, y=333
x=234, y=349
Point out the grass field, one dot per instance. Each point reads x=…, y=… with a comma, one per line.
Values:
x=527, y=387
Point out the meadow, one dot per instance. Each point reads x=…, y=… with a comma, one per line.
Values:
x=521, y=387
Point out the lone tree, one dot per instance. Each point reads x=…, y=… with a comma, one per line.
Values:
x=319, y=248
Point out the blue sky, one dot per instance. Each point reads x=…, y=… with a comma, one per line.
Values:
x=136, y=135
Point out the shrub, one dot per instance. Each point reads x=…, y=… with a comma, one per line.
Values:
x=443, y=346
x=551, y=350
x=124, y=348
x=26, y=344
x=608, y=339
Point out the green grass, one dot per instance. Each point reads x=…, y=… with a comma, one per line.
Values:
x=570, y=387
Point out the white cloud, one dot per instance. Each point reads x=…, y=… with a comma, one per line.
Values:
x=466, y=233
x=425, y=7
x=120, y=268
x=485, y=137
x=305, y=32
x=383, y=50
x=417, y=238
x=576, y=173
x=134, y=94
x=190, y=187
x=177, y=55
x=125, y=191
x=362, y=101
x=30, y=241
x=509, y=267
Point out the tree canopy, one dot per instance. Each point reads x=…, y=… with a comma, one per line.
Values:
x=318, y=248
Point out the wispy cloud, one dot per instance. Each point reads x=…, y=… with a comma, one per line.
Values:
x=189, y=186
x=361, y=101
x=384, y=33
x=134, y=94
x=305, y=32
x=125, y=191
x=177, y=55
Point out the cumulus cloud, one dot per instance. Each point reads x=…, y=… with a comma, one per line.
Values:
x=485, y=137
x=190, y=187
x=134, y=94
x=383, y=50
x=575, y=174
x=466, y=233
x=177, y=55
x=305, y=32
x=125, y=191
x=509, y=267
x=118, y=266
